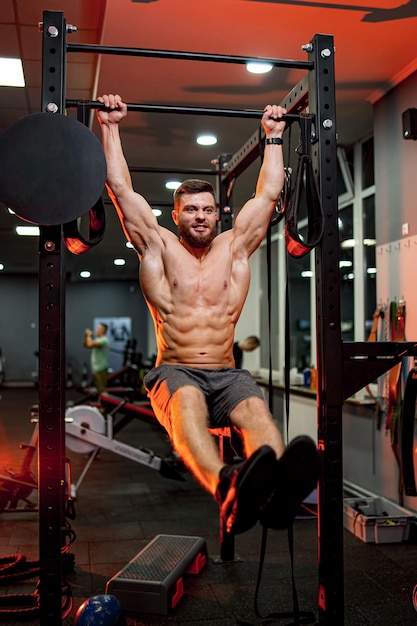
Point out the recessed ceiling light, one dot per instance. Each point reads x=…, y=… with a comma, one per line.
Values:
x=85, y=274
x=28, y=231
x=11, y=72
x=306, y=274
x=172, y=184
x=119, y=261
x=157, y=212
x=1, y=267
x=206, y=140
x=259, y=68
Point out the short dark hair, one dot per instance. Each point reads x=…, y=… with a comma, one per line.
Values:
x=193, y=185
x=104, y=326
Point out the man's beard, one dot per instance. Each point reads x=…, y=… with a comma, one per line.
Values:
x=196, y=242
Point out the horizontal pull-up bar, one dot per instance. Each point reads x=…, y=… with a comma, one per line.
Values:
x=173, y=170
x=158, y=108
x=190, y=56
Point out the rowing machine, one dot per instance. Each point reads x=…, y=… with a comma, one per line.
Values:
x=88, y=431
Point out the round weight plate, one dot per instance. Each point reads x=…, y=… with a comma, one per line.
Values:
x=89, y=417
x=52, y=168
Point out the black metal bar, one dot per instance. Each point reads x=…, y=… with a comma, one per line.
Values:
x=376, y=349
x=51, y=455
x=364, y=362
x=190, y=56
x=225, y=195
x=295, y=101
x=161, y=108
x=329, y=342
x=174, y=170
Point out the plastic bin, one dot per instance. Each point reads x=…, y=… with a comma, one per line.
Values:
x=376, y=520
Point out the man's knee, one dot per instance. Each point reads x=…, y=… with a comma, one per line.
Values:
x=186, y=398
x=253, y=407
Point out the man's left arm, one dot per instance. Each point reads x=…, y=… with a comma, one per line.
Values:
x=254, y=217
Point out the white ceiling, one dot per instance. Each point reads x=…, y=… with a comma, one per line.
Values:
x=374, y=51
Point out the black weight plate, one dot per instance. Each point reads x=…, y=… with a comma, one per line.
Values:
x=52, y=168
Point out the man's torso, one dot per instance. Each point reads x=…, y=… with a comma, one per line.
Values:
x=196, y=303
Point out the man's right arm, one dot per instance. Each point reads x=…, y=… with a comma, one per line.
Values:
x=136, y=216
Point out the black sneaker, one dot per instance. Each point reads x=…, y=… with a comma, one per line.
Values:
x=244, y=487
x=296, y=475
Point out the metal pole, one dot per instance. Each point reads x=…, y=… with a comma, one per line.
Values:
x=160, y=108
x=329, y=340
x=190, y=56
x=51, y=456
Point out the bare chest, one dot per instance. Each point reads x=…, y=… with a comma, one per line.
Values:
x=202, y=284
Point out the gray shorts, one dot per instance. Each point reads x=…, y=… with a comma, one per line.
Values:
x=223, y=389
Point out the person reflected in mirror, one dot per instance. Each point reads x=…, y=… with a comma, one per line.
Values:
x=99, y=360
x=245, y=345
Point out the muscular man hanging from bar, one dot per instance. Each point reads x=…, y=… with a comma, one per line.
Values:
x=195, y=285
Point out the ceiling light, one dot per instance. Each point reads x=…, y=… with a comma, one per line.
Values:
x=119, y=261
x=306, y=274
x=206, y=140
x=345, y=263
x=11, y=72
x=347, y=243
x=172, y=184
x=28, y=231
x=371, y=270
x=259, y=68
x=369, y=242
x=1, y=267
x=85, y=274
x=157, y=212
x=129, y=244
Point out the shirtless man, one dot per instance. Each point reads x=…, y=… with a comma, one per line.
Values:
x=195, y=286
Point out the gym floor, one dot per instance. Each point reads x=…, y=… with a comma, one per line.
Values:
x=121, y=506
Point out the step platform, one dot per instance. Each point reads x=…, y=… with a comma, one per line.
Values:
x=152, y=582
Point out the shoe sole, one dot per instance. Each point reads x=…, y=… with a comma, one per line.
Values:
x=296, y=475
x=254, y=485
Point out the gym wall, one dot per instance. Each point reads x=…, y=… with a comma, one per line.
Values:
x=19, y=316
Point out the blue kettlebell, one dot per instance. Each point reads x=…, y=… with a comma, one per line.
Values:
x=103, y=610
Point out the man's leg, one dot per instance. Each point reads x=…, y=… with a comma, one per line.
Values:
x=256, y=426
x=296, y=470
x=191, y=438
x=239, y=489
